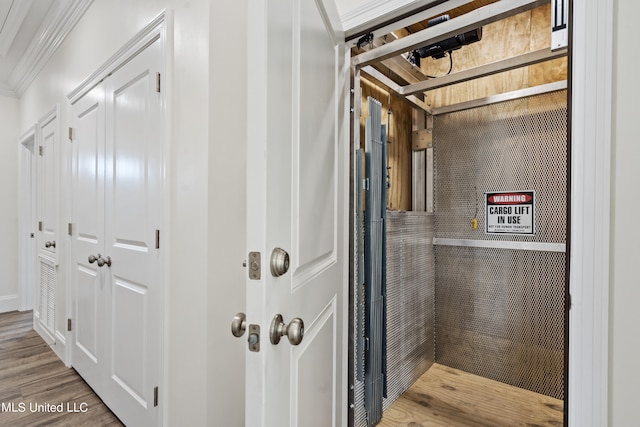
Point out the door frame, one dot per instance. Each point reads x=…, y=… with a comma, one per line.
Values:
x=588, y=244
x=27, y=219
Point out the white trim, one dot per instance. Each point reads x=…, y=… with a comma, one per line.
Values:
x=154, y=30
x=6, y=90
x=591, y=106
x=168, y=65
x=26, y=218
x=61, y=339
x=43, y=331
x=8, y=303
x=49, y=37
x=502, y=244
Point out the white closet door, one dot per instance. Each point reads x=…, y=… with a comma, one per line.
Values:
x=47, y=208
x=48, y=194
x=133, y=212
x=87, y=287
x=117, y=293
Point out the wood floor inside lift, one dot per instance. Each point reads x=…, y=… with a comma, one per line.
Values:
x=449, y=397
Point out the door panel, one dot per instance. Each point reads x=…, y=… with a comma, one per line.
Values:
x=129, y=332
x=48, y=188
x=297, y=189
x=314, y=67
x=133, y=211
x=86, y=310
x=312, y=364
x=87, y=350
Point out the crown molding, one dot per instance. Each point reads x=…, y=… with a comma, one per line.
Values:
x=6, y=90
x=61, y=19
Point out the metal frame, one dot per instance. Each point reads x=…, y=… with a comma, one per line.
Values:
x=395, y=87
x=508, y=64
x=362, y=64
x=502, y=244
x=507, y=96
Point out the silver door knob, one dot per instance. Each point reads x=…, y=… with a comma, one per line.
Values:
x=239, y=325
x=279, y=262
x=294, y=331
x=51, y=244
x=103, y=261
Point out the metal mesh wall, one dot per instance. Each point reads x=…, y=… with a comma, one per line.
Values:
x=515, y=145
x=410, y=300
x=500, y=312
x=410, y=306
x=499, y=315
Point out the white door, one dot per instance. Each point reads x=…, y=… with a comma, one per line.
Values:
x=48, y=175
x=297, y=201
x=133, y=216
x=47, y=206
x=87, y=283
x=119, y=142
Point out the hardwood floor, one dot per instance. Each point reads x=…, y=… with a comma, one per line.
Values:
x=449, y=397
x=34, y=382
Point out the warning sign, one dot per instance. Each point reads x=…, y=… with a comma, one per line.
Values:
x=510, y=212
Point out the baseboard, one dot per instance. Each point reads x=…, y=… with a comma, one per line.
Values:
x=43, y=332
x=57, y=341
x=9, y=303
x=59, y=347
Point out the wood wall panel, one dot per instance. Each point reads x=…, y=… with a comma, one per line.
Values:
x=522, y=33
x=399, y=150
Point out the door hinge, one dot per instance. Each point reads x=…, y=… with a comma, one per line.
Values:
x=157, y=239
x=41, y=150
x=70, y=133
x=39, y=225
x=68, y=324
x=158, y=82
x=155, y=396
x=569, y=301
x=70, y=229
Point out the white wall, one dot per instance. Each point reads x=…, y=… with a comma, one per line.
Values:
x=9, y=133
x=624, y=346
x=196, y=368
x=227, y=211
